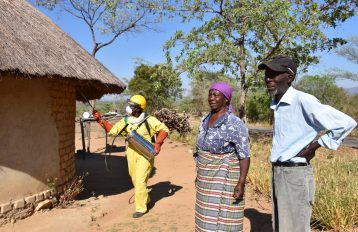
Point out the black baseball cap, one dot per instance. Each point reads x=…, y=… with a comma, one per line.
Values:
x=280, y=64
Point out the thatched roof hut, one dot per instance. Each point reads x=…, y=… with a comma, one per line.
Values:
x=42, y=73
x=32, y=46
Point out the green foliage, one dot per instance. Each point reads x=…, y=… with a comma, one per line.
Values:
x=107, y=107
x=80, y=108
x=197, y=101
x=189, y=138
x=351, y=108
x=235, y=36
x=102, y=107
x=120, y=105
x=75, y=187
x=159, y=84
x=186, y=105
x=258, y=107
x=200, y=84
x=325, y=89
x=52, y=184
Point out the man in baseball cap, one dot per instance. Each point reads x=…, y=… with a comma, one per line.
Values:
x=280, y=72
x=280, y=64
x=298, y=119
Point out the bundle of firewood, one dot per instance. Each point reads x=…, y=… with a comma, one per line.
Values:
x=174, y=121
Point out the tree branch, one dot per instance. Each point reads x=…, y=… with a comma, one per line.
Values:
x=118, y=33
x=277, y=46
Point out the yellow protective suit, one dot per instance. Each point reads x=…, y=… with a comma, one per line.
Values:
x=138, y=166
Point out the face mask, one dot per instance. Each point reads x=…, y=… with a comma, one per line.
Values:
x=129, y=110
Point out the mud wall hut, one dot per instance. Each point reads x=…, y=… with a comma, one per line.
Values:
x=43, y=71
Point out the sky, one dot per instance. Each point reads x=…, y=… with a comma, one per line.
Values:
x=121, y=56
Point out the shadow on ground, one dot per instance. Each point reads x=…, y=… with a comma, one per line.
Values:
x=161, y=190
x=103, y=179
x=259, y=222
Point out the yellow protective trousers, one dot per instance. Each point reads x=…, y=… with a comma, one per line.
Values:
x=139, y=170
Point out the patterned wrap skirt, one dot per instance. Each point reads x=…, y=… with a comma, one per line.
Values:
x=216, y=209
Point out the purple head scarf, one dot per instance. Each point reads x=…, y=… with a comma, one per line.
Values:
x=225, y=89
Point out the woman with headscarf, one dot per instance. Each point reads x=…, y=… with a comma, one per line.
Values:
x=223, y=160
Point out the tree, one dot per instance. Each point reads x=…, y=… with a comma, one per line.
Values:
x=258, y=106
x=159, y=84
x=350, y=52
x=111, y=17
x=325, y=89
x=235, y=36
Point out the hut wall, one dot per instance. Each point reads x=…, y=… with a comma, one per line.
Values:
x=63, y=108
x=37, y=135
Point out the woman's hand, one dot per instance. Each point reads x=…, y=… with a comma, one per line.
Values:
x=239, y=191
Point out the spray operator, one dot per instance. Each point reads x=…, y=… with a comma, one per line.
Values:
x=139, y=166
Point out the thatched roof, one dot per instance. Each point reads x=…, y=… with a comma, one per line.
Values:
x=32, y=46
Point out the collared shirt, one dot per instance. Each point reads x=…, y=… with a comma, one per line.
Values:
x=228, y=134
x=298, y=118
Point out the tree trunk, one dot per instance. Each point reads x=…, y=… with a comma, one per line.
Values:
x=243, y=82
x=242, y=101
x=92, y=104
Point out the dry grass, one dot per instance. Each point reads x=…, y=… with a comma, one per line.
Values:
x=260, y=124
x=260, y=168
x=336, y=199
x=354, y=133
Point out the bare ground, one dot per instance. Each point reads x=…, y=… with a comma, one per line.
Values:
x=107, y=202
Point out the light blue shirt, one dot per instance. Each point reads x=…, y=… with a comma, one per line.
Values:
x=298, y=118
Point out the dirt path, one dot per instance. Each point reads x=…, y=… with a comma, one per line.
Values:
x=171, y=189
